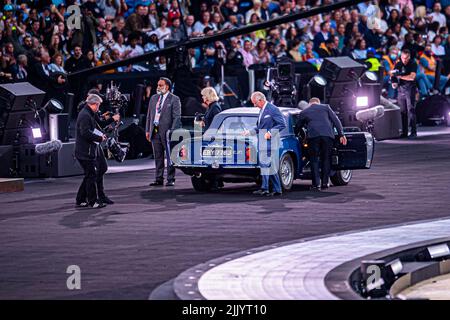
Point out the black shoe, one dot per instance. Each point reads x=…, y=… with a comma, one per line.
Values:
x=170, y=183
x=260, y=192
x=97, y=205
x=404, y=136
x=315, y=188
x=413, y=135
x=156, y=183
x=106, y=200
x=324, y=186
x=82, y=204
x=274, y=194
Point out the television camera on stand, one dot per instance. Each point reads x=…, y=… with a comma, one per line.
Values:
x=281, y=84
x=116, y=103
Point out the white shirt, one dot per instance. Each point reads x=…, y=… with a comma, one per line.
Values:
x=163, y=35
x=261, y=112
x=439, y=17
x=438, y=50
x=158, y=114
x=137, y=51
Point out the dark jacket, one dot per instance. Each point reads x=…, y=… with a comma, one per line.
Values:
x=271, y=119
x=85, y=146
x=213, y=109
x=170, y=114
x=319, y=121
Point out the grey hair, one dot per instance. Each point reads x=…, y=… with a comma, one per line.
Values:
x=257, y=95
x=210, y=94
x=93, y=99
x=22, y=58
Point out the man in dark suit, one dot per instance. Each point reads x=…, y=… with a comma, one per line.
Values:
x=322, y=36
x=320, y=122
x=86, y=152
x=164, y=114
x=270, y=123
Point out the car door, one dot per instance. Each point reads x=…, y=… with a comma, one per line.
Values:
x=357, y=154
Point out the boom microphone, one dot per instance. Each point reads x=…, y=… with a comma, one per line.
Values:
x=370, y=114
x=48, y=147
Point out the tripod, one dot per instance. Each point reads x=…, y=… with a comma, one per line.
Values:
x=221, y=60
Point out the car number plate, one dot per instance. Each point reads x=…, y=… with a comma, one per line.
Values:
x=217, y=152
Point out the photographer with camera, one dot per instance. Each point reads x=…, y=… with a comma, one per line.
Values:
x=404, y=76
x=86, y=145
x=101, y=166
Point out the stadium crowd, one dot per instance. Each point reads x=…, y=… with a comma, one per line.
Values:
x=39, y=45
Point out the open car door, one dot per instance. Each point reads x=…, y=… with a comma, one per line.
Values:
x=357, y=154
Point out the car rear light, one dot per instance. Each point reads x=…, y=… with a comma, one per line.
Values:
x=248, y=154
x=183, y=153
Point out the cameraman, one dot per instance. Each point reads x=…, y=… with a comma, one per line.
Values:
x=101, y=166
x=405, y=73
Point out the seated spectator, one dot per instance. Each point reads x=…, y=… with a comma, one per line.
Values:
x=309, y=53
x=437, y=48
x=260, y=53
x=19, y=72
x=294, y=52
x=57, y=64
x=360, y=51
x=163, y=32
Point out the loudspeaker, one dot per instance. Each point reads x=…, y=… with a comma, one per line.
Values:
x=342, y=89
x=388, y=126
x=341, y=69
x=18, y=119
x=6, y=161
x=229, y=100
x=17, y=136
x=29, y=162
x=59, y=127
x=17, y=96
x=62, y=163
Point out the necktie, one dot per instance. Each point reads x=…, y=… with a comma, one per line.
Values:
x=158, y=104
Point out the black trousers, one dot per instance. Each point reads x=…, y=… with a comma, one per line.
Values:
x=406, y=101
x=101, y=166
x=88, y=187
x=320, y=157
x=159, y=151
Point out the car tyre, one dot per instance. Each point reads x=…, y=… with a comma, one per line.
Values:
x=286, y=172
x=201, y=184
x=341, y=177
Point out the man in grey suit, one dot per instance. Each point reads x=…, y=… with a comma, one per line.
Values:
x=164, y=114
x=320, y=122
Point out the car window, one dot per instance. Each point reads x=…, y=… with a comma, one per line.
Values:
x=237, y=124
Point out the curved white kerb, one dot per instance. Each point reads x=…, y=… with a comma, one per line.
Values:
x=297, y=271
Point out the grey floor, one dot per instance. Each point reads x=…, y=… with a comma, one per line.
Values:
x=128, y=249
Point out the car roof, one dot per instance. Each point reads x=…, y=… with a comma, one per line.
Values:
x=255, y=111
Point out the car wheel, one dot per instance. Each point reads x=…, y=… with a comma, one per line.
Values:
x=286, y=172
x=341, y=177
x=201, y=184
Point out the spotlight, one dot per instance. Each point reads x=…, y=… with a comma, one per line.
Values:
x=362, y=101
x=439, y=251
x=316, y=87
x=369, y=77
x=37, y=134
x=53, y=106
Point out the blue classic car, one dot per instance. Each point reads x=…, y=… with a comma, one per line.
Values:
x=224, y=154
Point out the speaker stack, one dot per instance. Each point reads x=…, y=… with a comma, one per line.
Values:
x=342, y=75
x=17, y=116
